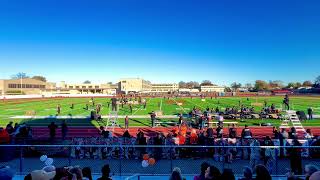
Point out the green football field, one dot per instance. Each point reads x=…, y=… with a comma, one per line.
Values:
x=172, y=106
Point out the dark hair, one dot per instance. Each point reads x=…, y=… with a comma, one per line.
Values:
x=214, y=172
x=262, y=173
x=204, y=167
x=28, y=177
x=247, y=173
x=86, y=172
x=62, y=172
x=105, y=170
x=228, y=174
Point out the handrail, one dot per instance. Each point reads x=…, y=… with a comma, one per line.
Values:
x=155, y=146
x=135, y=175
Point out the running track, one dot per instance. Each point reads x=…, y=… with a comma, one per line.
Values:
x=43, y=132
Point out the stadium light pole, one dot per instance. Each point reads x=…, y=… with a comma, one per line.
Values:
x=21, y=85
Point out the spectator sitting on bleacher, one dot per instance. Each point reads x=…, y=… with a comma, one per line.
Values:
x=212, y=173
x=246, y=132
x=295, y=158
x=308, y=134
x=219, y=131
x=247, y=174
x=4, y=136
x=176, y=174
x=276, y=133
x=308, y=170
x=86, y=172
x=255, y=153
x=284, y=133
x=293, y=133
x=228, y=174
x=126, y=134
x=204, y=167
x=105, y=173
x=9, y=128
x=232, y=131
x=262, y=173
x=104, y=133
x=193, y=137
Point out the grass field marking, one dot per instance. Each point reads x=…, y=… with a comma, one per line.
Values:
x=196, y=104
x=161, y=104
x=42, y=104
x=66, y=107
x=180, y=105
x=12, y=109
x=141, y=106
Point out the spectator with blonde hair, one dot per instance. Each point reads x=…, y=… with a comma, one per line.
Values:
x=176, y=174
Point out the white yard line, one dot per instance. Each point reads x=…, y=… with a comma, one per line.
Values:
x=141, y=107
x=161, y=104
x=180, y=106
x=196, y=104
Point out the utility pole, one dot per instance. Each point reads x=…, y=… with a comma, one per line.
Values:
x=21, y=85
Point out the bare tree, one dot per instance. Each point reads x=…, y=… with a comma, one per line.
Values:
x=40, y=78
x=206, y=83
x=235, y=86
x=20, y=75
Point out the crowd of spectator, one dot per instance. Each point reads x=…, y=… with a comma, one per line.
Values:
x=57, y=173
x=207, y=172
x=228, y=149
x=19, y=133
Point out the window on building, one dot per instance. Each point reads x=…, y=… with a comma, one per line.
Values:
x=77, y=87
x=70, y=87
x=84, y=87
x=90, y=86
x=96, y=87
x=12, y=85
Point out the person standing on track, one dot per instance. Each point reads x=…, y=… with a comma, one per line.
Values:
x=64, y=129
x=153, y=118
x=52, y=128
x=126, y=122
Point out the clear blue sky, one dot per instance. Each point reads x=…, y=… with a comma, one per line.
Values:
x=161, y=40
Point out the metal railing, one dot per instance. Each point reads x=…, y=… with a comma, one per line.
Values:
x=126, y=160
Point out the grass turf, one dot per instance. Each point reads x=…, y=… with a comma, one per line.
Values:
x=46, y=107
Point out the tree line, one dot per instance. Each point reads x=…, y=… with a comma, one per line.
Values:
x=259, y=85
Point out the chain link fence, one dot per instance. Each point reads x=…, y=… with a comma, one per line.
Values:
x=128, y=160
